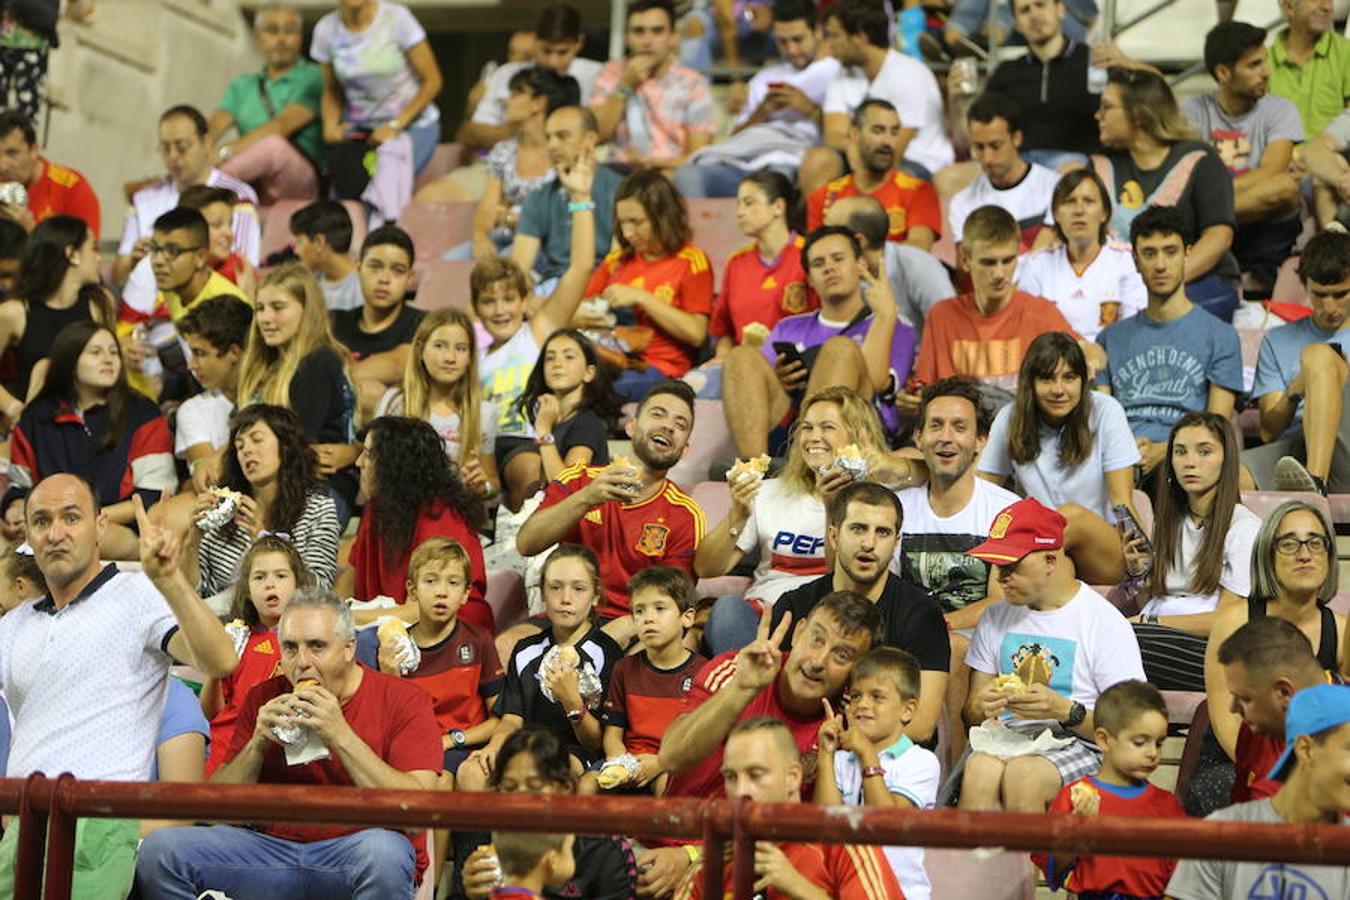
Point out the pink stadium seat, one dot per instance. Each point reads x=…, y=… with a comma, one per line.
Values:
x=1340, y=604
x=735, y=585
x=275, y=221
x=1340, y=508
x=710, y=440
x=715, y=231
x=444, y=283
x=444, y=160
x=1263, y=503
x=506, y=596
x=1181, y=705
x=1144, y=506
x=436, y=227
x=1288, y=286
x=964, y=874
x=714, y=498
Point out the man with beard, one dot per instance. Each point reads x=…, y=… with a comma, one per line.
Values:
x=863, y=530
x=1255, y=133
x=629, y=514
x=911, y=203
x=1173, y=357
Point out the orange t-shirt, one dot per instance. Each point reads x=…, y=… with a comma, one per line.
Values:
x=683, y=279
x=908, y=202
x=959, y=340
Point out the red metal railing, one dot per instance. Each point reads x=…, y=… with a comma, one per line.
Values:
x=52, y=806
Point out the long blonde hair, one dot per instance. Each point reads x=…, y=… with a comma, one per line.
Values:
x=265, y=373
x=860, y=420
x=1151, y=105
x=466, y=394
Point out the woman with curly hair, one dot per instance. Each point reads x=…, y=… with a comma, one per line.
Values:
x=274, y=469
x=413, y=495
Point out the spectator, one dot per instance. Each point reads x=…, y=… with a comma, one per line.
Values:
x=215, y=332
x=532, y=861
x=1088, y=274
x=1071, y=448
x=13, y=243
x=1051, y=83
x=646, y=690
x=870, y=354
x=657, y=273
x=1301, y=378
x=518, y=165
x=918, y=279
x=57, y=285
x=30, y=36
x=968, y=26
x=1064, y=641
x=217, y=207
x=984, y=334
x=765, y=280
x=1314, y=790
x=87, y=421
x=452, y=659
x=180, y=258
x=323, y=237
x=557, y=42
x=864, y=530
x=380, y=77
x=1255, y=134
x=186, y=153
x=1310, y=63
x=761, y=763
x=412, y=495
x=1152, y=160
x=543, y=238
x=1324, y=156
x=270, y=573
x=440, y=385
x=1202, y=550
x=273, y=469
x=380, y=733
x=884, y=692
x=910, y=202
x=1174, y=357
x=572, y=405
x=783, y=518
x=1130, y=726
x=653, y=111
x=535, y=761
x=378, y=334
x=278, y=147
x=857, y=34
x=140, y=622
x=52, y=189
x=293, y=360
x=1260, y=667
x=778, y=123
x=1007, y=179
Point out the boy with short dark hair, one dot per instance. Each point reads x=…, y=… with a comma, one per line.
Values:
x=1130, y=722
x=216, y=331
x=646, y=690
x=323, y=238
x=532, y=861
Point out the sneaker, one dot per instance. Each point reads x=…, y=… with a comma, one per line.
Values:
x=1292, y=475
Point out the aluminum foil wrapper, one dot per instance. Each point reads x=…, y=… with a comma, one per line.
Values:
x=216, y=517
x=292, y=735
x=618, y=771
x=239, y=633
x=592, y=692
x=853, y=465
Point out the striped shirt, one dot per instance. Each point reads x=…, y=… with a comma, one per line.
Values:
x=315, y=535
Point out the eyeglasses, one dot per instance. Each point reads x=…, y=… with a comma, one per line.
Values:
x=172, y=251
x=1290, y=545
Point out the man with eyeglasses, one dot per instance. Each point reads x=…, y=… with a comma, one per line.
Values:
x=278, y=145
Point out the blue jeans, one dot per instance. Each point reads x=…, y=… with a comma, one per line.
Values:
x=424, y=141
x=1054, y=159
x=731, y=625
x=633, y=384
x=711, y=180
x=1215, y=296
x=180, y=863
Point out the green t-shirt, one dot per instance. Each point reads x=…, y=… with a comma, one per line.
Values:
x=1319, y=87
x=303, y=84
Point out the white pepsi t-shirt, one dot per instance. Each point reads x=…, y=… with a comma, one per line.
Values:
x=1108, y=290
x=1028, y=201
x=1236, y=575
x=789, y=530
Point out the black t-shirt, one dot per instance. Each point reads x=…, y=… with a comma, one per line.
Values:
x=325, y=403
x=585, y=429
x=910, y=619
x=1058, y=111
x=347, y=328
x=606, y=870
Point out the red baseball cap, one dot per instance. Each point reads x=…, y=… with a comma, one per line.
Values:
x=1025, y=527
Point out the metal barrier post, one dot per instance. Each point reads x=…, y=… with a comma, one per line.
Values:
x=743, y=853
x=714, y=855
x=32, y=825
x=60, y=841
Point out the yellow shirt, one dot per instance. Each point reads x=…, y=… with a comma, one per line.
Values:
x=215, y=285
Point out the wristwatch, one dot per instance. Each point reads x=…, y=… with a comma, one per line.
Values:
x=545, y=440
x=457, y=738
x=576, y=715
x=1077, y=713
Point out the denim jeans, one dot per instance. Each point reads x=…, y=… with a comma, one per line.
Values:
x=731, y=625
x=424, y=141
x=632, y=384
x=711, y=180
x=180, y=863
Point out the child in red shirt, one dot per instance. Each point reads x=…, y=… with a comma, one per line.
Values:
x=1131, y=725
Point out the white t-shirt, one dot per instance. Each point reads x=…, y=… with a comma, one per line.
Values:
x=932, y=550
x=503, y=374
x=813, y=81
x=1028, y=201
x=491, y=110
x=1109, y=290
x=1236, y=575
x=343, y=294
x=1046, y=478
x=372, y=65
x=391, y=404
x=789, y=530
x=911, y=87
x=1077, y=650
x=915, y=774
x=203, y=419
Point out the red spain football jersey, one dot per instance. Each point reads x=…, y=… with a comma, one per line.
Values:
x=643, y=700
x=844, y=871
x=756, y=290
x=908, y=201
x=460, y=673
x=62, y=191
x=260, y=660
x=1255, y=756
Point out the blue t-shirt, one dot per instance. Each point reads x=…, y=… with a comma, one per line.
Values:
x=182, y=715
x=544, y=215
x=1278, y=362
x=1159, y=371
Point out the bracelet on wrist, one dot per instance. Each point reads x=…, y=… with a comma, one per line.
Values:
x=586, y=206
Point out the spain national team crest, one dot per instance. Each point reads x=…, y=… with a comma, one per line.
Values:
x=898, y=219
x=263, y=646
x=653, y=540
x=665, y=293
x=1110, y=313
x=1000, y=527
x=794, y=298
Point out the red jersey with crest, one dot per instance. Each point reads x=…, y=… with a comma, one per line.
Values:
x=908, y=201
x=260, y=660
x=705, y=779
x=844, y=871
x=460, y=673
x=643, y=700
x=1254, y=757
x=627, y=537
x=62, y=191
x=683, y=279
x=1116, y=875
x=759, y=290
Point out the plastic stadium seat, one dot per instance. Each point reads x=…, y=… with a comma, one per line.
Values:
x=444, y=283
x=1263, y=503
x=436, y=227
x=715, y=230
x=445, y=159
x=1182, y=705
x=506, y=596
x=711, y=440
x=714, y=498
x=721, y=586
x=989, y=876
x=1340, y=604
x=1340, y=508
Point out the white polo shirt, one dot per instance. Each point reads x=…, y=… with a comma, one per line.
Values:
x=87, y=683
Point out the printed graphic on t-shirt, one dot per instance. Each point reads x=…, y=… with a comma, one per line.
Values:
x=1165, y=374
x=1039, y=659
x=939, y=563
x=1233, y=147
x=1283, y=882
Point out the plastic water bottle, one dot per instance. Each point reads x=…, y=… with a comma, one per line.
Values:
x=1131, y=533
x=1096, y=75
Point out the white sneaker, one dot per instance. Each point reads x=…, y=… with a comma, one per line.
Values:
x=1292, y=475
x=214, y=895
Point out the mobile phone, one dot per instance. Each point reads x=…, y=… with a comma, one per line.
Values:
x=788, y=350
